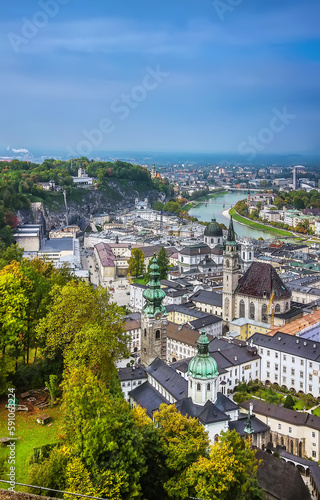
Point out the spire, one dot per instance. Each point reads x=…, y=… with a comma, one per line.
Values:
x=154, y=294
x=231, y=234
x=248, y=428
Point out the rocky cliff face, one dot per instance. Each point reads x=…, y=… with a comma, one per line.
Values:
x=83, y=203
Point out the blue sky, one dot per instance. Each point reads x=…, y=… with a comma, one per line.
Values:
x=176, y=75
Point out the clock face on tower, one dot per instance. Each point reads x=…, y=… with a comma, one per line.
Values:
x=158, y=316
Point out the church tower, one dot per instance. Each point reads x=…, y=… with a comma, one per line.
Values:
x=202, y=374
x=246, y=254
x=153, y=319
x=230, y=275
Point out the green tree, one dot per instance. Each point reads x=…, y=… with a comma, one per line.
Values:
x=173, y=207
x=86, y=326
x=229, y=472
x=289, y=402
x=183, y=441
x=101, y=431
x=136, y=262
x=298, y=203
x=163, y=263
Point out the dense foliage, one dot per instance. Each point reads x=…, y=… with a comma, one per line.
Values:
x=20, y=184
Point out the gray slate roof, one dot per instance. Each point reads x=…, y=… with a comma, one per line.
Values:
x=206, y=297
x=283, y=414
x=147, y=397
x=290, y=344
x=166, y=376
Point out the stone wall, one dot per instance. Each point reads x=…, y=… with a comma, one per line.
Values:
x=12, y=495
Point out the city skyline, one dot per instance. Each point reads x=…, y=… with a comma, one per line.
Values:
x=223, y=76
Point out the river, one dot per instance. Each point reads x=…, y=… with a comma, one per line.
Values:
x=219, y=204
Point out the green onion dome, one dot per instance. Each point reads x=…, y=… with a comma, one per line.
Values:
x=203, y=366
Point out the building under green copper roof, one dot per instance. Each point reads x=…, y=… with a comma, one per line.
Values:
x=154, y=294
x=203, y=366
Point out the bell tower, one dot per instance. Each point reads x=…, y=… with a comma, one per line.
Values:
x=230, y=274
x=202, y=374
x=153, y=319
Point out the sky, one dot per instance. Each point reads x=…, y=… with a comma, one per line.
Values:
x=234, y=76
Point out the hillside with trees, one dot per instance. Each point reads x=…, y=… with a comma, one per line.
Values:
x=115, y=185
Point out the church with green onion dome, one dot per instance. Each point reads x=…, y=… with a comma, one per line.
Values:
x=202, y=374
x=154, y=319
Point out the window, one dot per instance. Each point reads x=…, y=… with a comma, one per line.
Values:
x=268, y=364
x=310, y=388
x=292, y=382
x=236, y=372
x=310, y=377
x=208, y=387
x=301, y=385
x=310, y=364
x=284, y=357
x=277, y=308
x=268, y=353
x=139, y=382
x=293, y=359
x=292, y=371
x=198, y=387
x=314, y=444
x=251, y=310
x=145, y=332
x=268, y=374
x=301, y=362
x=264, y=317
x=284, y=379
x=227, y=263
x=290, y=429
x=241, y=309
x=279, y=426
x=284, y=369
x=301, y=374
x=276, y=355
x=313, y=434
x=276, y=367
x=314, y=453
x=276, y=377
x=261, y=351
x=287, y=306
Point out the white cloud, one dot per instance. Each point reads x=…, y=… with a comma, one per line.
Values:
x=21, y=150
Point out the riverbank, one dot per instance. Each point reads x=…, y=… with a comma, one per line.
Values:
x=262, y=227
x=194, y=203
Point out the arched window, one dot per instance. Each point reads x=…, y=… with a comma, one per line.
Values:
x=211, y=240
x=277, y=308
x=251, y=310
x=264, y=316
x=282, y=441
x=287, y=306
x=208, y=387
x=249, y=255
x=145, y=332
x=198, y=387
x=243, y=255
x=227, y=263
x=242, y=309
x=157, y=334
x=226, y=306
x=218, y=240
x=291, y=447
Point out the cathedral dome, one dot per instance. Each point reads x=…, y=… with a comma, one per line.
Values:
x=213, y=229
x=203, y=366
